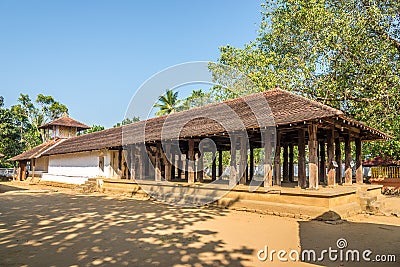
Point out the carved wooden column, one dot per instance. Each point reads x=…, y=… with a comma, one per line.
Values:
x=359, y=167
x=313, y=156
x=180, y=165
x=191, y=174
x=214, y=167
x=338, y=158
x=243, y=158
x=220, y=166
x=157, y=168
x=251, y=165
x=322, y=166
x=348, y=180
x=302, y=159
x=277, y=160
x=233, y=171
x=267, y=157
x=291, y=163
x=285, y=163
x=200, y=172
x=132, y=160
x=168, y=159
x=330, y=148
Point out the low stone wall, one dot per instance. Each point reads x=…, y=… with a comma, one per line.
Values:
x=292, y=202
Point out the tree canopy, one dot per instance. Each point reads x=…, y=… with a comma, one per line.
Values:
x=342, y=53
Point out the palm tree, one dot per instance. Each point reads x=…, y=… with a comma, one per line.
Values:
x=167, y=103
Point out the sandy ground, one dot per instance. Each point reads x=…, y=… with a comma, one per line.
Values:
x=44, y=227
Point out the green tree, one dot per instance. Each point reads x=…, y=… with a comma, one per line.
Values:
x=94, y=128
x=31, y=115
x=10, y=135
x=127, y=121
x=197, y=98
x=168, y=103
x=342, y=53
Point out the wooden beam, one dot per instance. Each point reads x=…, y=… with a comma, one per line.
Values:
x=277, y=160
x=359, y=167
x=285, y=163
x=302, y=159
x=291, y=163
x=331, y=154
x=233, y=171
x=313, y=156
x=243, y=159
x=348, y=180
x=338, y=158
x=191, y=174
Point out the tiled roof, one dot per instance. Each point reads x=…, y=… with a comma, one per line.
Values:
x=38, y=151
x=66, y=121
x=250, y=112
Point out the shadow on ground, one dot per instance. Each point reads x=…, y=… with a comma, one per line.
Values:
x=66, y=230
x=379, y=238
x=7, y=188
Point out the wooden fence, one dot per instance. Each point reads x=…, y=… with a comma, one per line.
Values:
x=385, y=172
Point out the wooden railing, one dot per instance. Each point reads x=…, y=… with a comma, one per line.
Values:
x=385, y=172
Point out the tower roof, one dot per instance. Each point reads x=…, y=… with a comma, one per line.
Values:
x=65, y=120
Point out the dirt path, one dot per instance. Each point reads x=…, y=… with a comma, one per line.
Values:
x=41, y=227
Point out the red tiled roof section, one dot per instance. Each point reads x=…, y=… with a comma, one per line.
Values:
x=38, y=150
x=284, y=108
x=66, y=121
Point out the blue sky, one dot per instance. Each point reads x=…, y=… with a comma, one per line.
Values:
x=93, y=55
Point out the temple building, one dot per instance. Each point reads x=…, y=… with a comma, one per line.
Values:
x=169, y=148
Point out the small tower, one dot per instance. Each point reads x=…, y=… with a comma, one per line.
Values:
x=64, y=127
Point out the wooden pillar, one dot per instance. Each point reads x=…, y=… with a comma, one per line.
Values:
x=23, y=170
x=302, y=159
x=33, y=168
x=220, y=166
x=267, y=157
x=322, y=166
x=191, y=174
x=285, y=163
x=180, y=166
x=157, y=168
x=251, y=167
x=338, y=159
x=173, y=163
x=313, y=156
x=167, y=160
x=330, y=148
x=200, y=172
x=359, y=167
x=243, y=159
x=348, y=180
x=291, y=163
x=214, y=167
x=132, y=157
x=277, y=160
x=140, y=160
x=186, y=163
x=232, y=171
